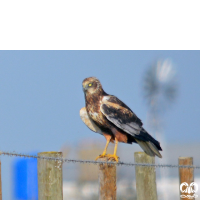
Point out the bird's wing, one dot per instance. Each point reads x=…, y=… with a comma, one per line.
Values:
x=88, y=121
x=121, y=115
x=124, y=118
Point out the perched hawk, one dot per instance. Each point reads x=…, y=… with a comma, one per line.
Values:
x=107, y=115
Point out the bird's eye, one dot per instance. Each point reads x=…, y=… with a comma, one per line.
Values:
x=90, y=84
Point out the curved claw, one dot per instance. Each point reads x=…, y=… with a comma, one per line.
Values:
x=101, y=156
x=105, y=156
x=113, y=157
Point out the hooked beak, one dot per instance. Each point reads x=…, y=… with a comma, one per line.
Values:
x=85, y=88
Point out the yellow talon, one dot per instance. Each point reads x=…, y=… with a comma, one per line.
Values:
x=103, y=155
x=113, y=157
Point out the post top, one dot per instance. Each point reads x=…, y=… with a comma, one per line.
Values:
x=185, y=157
x=50, y=153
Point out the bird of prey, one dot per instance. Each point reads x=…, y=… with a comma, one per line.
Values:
x=107, y=115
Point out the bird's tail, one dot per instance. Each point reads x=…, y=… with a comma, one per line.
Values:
x=149, y=148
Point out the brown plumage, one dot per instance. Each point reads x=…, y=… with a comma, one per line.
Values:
x=107, y=115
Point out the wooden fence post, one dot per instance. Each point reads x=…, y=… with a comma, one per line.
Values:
x=186, y=175
x=107, y=181
x=145, y=177
x=50, y=182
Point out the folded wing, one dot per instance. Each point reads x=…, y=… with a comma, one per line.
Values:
x=120, y=115
x=124, y=118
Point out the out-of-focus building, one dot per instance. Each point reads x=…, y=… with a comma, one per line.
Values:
x=88, y=151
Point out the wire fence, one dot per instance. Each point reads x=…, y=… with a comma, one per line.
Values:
x=65, y=160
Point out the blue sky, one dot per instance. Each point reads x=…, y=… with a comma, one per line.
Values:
x=41, y=95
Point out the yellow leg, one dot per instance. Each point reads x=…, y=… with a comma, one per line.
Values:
x=114, y=156
x=115, y=150
x=104, y=152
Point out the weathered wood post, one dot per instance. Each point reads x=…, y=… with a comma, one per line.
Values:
x=107, y=181
x=185, y=175
x=145, y=177
x=50, y=182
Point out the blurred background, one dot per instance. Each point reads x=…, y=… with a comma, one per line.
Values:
x=41, y=95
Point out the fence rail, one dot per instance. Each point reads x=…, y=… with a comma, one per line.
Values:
x=6, y=153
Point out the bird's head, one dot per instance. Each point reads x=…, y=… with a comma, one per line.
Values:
x=91, y=85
